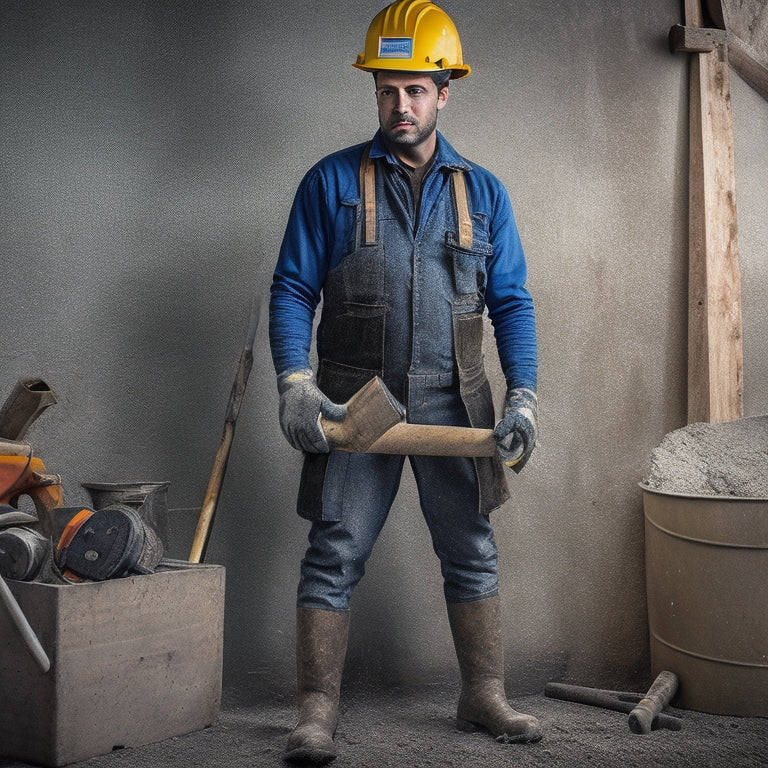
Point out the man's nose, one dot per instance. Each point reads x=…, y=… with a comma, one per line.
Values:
x=402, y=102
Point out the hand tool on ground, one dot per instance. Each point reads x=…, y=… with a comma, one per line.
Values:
x=375, y=423
x=624, y=701
x=650, y=706
x=25, y=630
x=211, y=500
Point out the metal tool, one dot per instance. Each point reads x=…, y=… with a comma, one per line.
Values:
x=25, y=630
x=644, y=710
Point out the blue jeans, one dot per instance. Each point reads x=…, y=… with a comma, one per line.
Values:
x=363, y=487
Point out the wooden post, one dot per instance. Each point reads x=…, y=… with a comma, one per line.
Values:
x=715, y=358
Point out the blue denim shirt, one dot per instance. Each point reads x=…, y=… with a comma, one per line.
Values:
x=321, y=230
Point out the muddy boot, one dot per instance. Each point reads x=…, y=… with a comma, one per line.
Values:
x=476, y=629
x=321, y=645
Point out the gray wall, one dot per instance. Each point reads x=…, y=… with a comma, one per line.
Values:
x=150, y=152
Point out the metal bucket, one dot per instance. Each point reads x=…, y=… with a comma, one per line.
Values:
x=150, y=498
x=707, y=575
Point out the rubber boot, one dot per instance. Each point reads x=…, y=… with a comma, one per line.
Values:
x=321, y=645
x=476, y=629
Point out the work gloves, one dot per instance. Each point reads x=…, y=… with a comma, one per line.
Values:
x=301, y=405
x=516, y=432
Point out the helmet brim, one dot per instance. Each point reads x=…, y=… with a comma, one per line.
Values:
x=388, y=65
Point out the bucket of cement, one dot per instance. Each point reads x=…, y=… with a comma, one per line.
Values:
x=707, y=565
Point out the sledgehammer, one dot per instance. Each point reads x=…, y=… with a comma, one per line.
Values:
x=375, y=423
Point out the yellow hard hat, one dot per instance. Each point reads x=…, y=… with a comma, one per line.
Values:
x=413, y=36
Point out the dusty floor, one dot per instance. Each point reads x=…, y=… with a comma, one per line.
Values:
x=414, y=729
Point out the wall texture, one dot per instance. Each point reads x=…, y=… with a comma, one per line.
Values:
x=150, y=152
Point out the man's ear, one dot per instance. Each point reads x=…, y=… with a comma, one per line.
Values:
x=442, y=97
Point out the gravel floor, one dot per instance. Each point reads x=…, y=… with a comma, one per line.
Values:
x=397, y=728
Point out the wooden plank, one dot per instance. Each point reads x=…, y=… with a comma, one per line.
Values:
x=692, y=13
x=715, y=358
x=694, y=39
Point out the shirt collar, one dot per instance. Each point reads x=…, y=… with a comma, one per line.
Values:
x=445, y=155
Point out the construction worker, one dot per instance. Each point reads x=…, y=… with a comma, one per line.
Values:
x=408, y=243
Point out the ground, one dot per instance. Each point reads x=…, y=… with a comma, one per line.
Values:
x=398, y=728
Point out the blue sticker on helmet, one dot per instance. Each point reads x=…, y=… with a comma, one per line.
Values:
x=395, y=47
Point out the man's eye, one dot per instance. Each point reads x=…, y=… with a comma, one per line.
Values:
x=416, y=92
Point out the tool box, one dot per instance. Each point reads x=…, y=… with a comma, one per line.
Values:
x=134, y=660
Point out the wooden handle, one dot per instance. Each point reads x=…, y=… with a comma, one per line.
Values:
x=375, y=423
x=213, y=489
x=429, y=440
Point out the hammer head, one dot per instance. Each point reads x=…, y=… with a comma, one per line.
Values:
x=371, y=411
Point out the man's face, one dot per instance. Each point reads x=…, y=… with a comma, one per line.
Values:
x=408, y=104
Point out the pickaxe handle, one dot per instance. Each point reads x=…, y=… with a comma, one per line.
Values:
x=216, y=478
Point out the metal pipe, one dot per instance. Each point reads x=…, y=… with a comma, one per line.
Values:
x=27, y=633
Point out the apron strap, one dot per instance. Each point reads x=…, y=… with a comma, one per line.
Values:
x=462, y=209
x=368, y=191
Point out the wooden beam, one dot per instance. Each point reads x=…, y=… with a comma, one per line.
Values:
x=748, y=64
x=741, y=56
x=684, y=39
x=715, y=358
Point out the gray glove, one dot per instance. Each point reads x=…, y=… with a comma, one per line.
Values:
x=301, y=405
x=516, y=432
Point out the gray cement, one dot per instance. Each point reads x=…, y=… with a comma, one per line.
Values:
x=729, y=459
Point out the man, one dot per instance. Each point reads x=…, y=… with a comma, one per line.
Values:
x=407, y=243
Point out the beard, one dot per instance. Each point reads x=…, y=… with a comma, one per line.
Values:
x=400, y=137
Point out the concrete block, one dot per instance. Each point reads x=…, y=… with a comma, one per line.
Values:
x=133, y=661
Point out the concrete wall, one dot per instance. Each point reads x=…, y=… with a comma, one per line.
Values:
x=150, y=152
